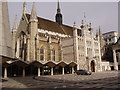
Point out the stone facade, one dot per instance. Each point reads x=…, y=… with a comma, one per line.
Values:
x=84, y=48
x=30, y=39
x=110, y=37
x=68, y=49
x=111, y=46
x=105, y=66
x=44, y=47
x=35, y=43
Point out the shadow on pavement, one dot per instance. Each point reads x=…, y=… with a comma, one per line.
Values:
x=47, y=82
x=3, y=80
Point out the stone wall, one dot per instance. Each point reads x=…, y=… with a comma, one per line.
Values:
x=68, y=49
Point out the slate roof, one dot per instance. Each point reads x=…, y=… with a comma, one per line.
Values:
x=53, y=26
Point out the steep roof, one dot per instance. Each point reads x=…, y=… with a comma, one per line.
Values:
x=67, y=29
x=53, y=26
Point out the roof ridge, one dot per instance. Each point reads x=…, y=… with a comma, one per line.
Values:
x=51, y=21
x=53, y=26
x=43, y=18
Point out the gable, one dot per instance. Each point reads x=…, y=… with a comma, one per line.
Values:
x=23, y=25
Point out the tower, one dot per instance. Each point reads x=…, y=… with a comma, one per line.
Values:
x=33, y=27
x=85, y=18
x=90, y=27
x=99, y=31
x=75, y=40
x=5, y=34
x=102, y=42
x=58, y=16
x=14, y=30
x=24, y=7
x=82, y=26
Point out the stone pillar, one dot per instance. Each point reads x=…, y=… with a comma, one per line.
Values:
x=60, y=50
x=75, y=40
x=13, y=41
x=51, y=70
x=38, y=50
x=92, y=43
x=78, y=67
x=72, y=70
x=38, y=71
x=18, y=46
x=32, y=48
x=5, y=72
x=107, y=41
x=49, y=48
x=63, y=71
x=61, y=53
x=118, y=57
x=23, y=52
x=23, y=72
x=49, y=39
x=115, y=60
x=100, y=54
x=23, y=55
x=28, y=49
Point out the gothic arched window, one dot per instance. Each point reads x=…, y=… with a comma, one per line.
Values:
x=53, y=54
x=42, y=53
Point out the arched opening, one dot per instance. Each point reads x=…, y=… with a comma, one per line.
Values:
x=31, y=70
x=53, y=54
x=15, y=71
x=92, y=66
x=67, y=69
x=42, y=53
x=22, y=46
x=46, y=70
x=57, y=70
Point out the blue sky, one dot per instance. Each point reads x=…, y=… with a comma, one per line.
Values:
x=104, y=14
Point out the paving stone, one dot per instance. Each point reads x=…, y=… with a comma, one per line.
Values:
x=96, y=80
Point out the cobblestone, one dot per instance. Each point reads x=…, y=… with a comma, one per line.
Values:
x=108, y=79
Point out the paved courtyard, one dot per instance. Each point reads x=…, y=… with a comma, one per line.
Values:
x=108, y=79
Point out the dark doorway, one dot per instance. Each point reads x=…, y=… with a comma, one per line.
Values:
x=57, y=70
x=67, y=69
x=14, y=71
x=118, y=67
x=31, y=70
x=92, y=66
x=46, y=70
x=112, y=67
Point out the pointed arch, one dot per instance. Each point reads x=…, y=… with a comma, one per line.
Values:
x=92, y=66
x=21, y=46
x=42, y=54
x=53, y=54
